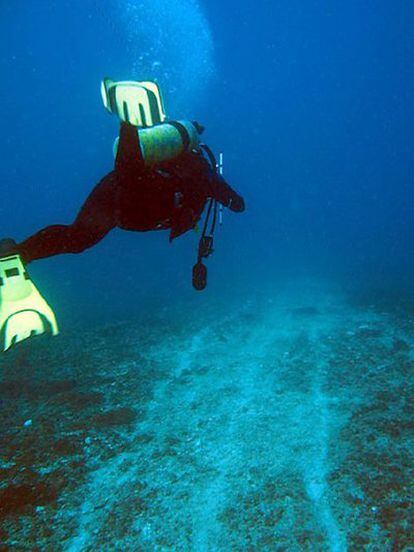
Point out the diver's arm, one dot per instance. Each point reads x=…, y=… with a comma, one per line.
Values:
x=225, y=195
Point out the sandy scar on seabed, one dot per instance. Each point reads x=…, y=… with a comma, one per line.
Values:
x=107, y=480
x=316, y=468
x=100, y=494
x=101, y=491
x=207, y=529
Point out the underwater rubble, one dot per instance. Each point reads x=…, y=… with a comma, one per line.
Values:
x=284, y=423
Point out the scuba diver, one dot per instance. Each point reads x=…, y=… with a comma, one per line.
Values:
x=163, y=179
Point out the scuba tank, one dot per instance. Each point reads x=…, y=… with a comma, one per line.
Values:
x=166, y=141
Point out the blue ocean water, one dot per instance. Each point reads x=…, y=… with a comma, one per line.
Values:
x=274, y=410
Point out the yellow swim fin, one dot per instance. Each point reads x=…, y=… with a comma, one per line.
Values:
x=137, y=103
x=23, y=311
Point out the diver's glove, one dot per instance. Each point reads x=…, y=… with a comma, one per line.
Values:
x=236, y=204
x=23, y=311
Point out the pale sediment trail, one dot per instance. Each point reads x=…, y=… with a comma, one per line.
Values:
x=107, y=481
x=307, y=421
x=315, y=470
x=254, y=403
x=319, y=415
x=99, y=494
x=227, y=455
x=235, y=397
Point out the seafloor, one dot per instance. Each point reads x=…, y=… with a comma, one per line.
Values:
x=283, y=421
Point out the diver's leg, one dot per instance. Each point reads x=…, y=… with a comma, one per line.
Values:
x=97, y=217
x=129, y=161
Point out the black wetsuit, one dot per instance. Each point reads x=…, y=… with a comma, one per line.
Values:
x=171, y=195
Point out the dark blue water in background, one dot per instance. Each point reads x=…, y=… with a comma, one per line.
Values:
x=312, y=105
